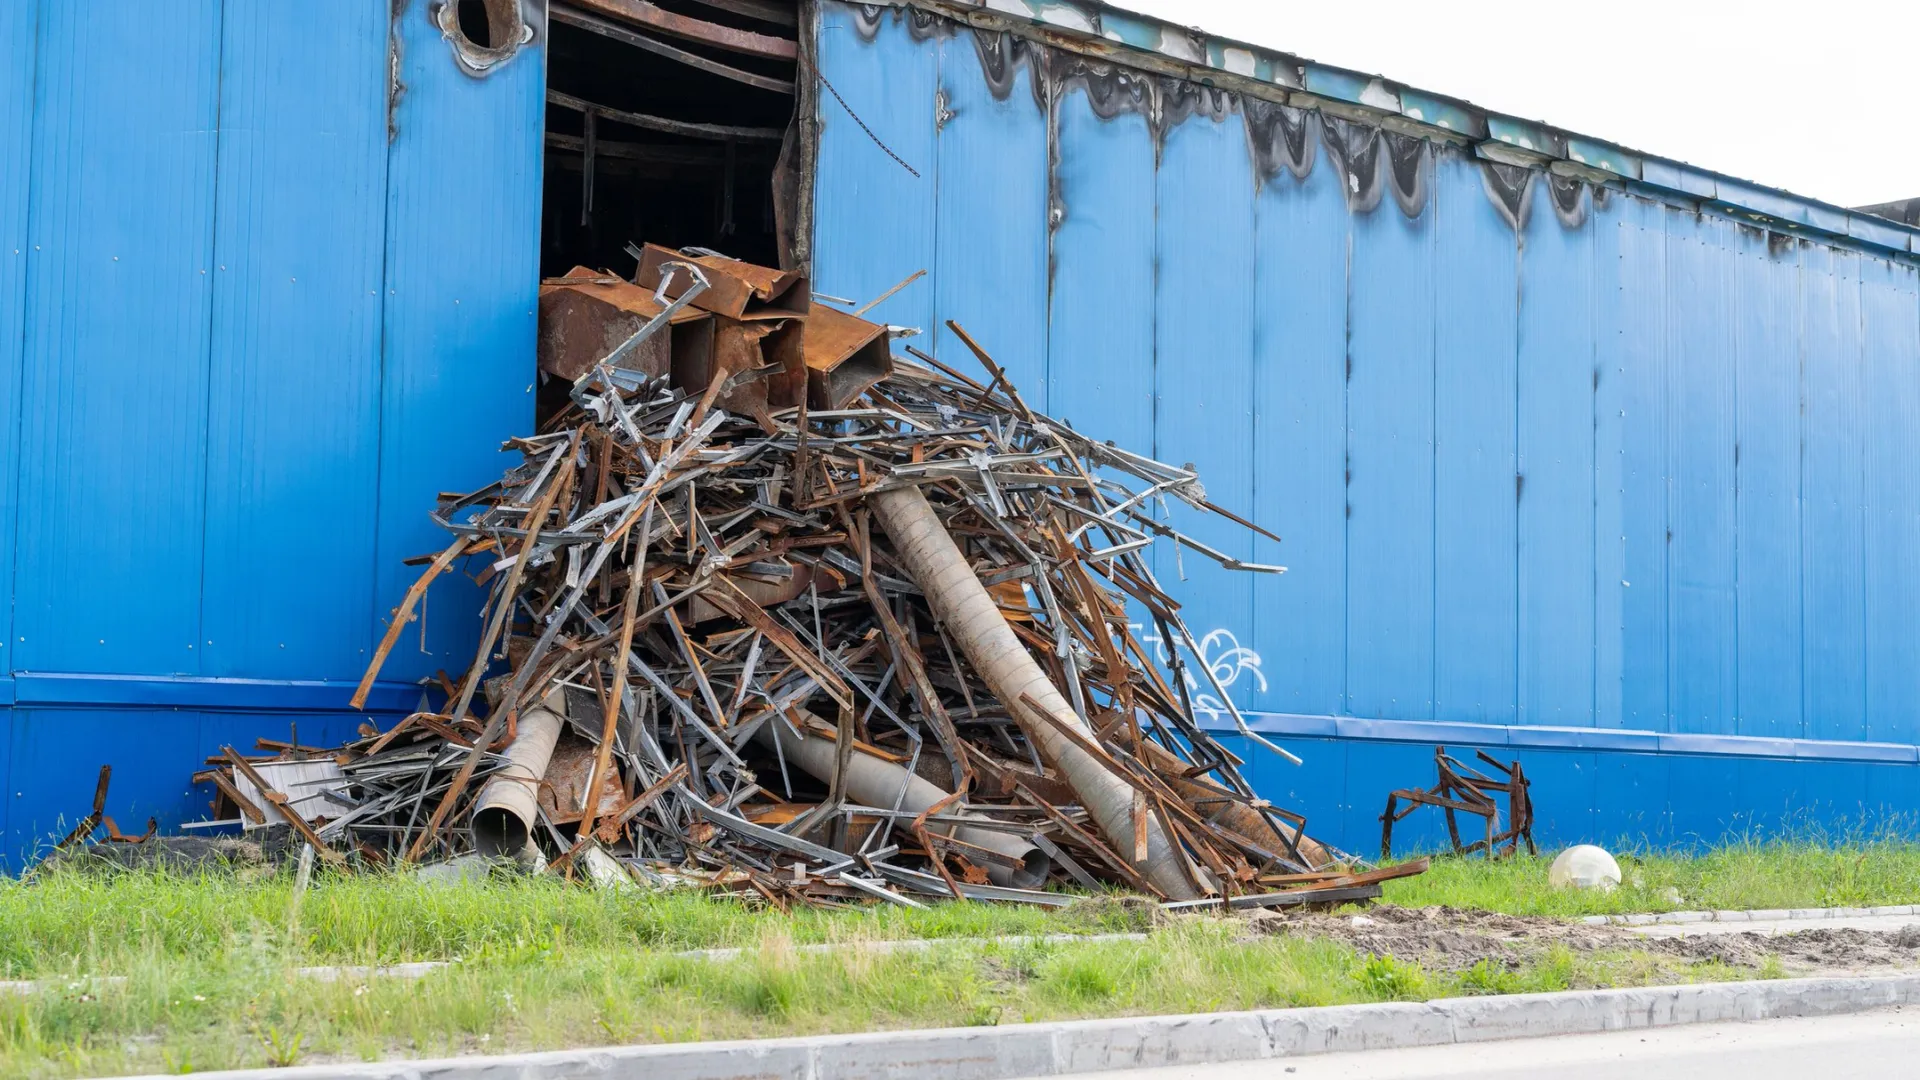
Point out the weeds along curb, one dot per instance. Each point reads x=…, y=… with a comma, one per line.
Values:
x=1764, y=915
x=1060, y=1049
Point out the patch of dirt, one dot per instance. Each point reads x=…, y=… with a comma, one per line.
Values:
x=1117, y=912
x=1452, y=940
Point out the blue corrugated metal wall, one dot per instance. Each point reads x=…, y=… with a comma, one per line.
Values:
x=1588, y=476
x=261, y=296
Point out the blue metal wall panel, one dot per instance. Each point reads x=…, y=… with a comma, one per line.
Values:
x=1555, y=486
x=1100, y=345
x=459, y=319
x=1890, y=399
x=1630, y=803
x=1767, y=358
x=57, y=754
x=293, y=433
x=113, y=395
x=1609, y=450
x=1317, y=789
x=1832, y=524
x=1203, y=372
x=1374, y=769
x=1700, y=379
x=1637, y=347
x=1565, y=787
x=1390, y=614
x=1703, y=798
x=990, y=232
x=1300, y=436
x=19, y=37
x=1475, y=394
x=873, y=220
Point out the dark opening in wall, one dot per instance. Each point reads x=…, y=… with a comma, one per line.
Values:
x=664, y=127
x=476, y=23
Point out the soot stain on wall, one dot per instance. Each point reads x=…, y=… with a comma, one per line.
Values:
x=1373, y=163
x=1280, y=137
x=921, y=25
x=1569, y=198
x=1510, y=189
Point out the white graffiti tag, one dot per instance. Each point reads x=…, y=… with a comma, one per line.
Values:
x=1226, y=660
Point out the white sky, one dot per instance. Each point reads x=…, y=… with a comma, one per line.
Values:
x=1811, y=97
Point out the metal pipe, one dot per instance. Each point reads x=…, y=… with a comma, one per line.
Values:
x=968, y=611
x=872, y=781
x=504, y=814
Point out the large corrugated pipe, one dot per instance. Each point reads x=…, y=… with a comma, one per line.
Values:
x=968, y=611
x=871, y=781
x=504, y=814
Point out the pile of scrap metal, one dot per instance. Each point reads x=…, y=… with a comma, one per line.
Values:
x=775, y=613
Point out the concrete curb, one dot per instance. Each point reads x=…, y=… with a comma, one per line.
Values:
x=1763, y=915
x=1061, y=1049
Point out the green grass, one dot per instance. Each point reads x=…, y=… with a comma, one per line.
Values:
x=234, y=1002
x=209, y=962
x=1739, y=875
x=68, y=923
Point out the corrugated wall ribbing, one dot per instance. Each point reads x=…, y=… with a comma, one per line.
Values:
x=462, y=272
x=1543, y=453
x=19, y=47
x=251, y=320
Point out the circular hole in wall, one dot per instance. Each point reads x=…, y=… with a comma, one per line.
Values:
x=476, y=22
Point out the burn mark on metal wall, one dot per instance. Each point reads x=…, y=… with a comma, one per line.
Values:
x=1354, y=149
x=511, y=26
x=921, y=25
x=1280, y=137
x=1510, y=189
x=396, y=86
x=1409, y=159
x=1111, y=90
x=1779, y=244
x=1002, y=55
x=1569, y=198
x=1175, y=101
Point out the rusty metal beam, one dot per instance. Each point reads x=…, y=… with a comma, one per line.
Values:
x=664, y=125
x=607, y=29
x=732, y=39
x=771, y=11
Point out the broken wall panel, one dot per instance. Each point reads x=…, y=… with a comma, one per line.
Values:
x=294, y=390
x=113, y=391
x=462, y=277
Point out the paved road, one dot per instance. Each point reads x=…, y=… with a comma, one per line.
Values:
x=1770, y=927
x=1865, y=1045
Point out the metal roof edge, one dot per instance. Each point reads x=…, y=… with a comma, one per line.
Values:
x=1153, y=44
